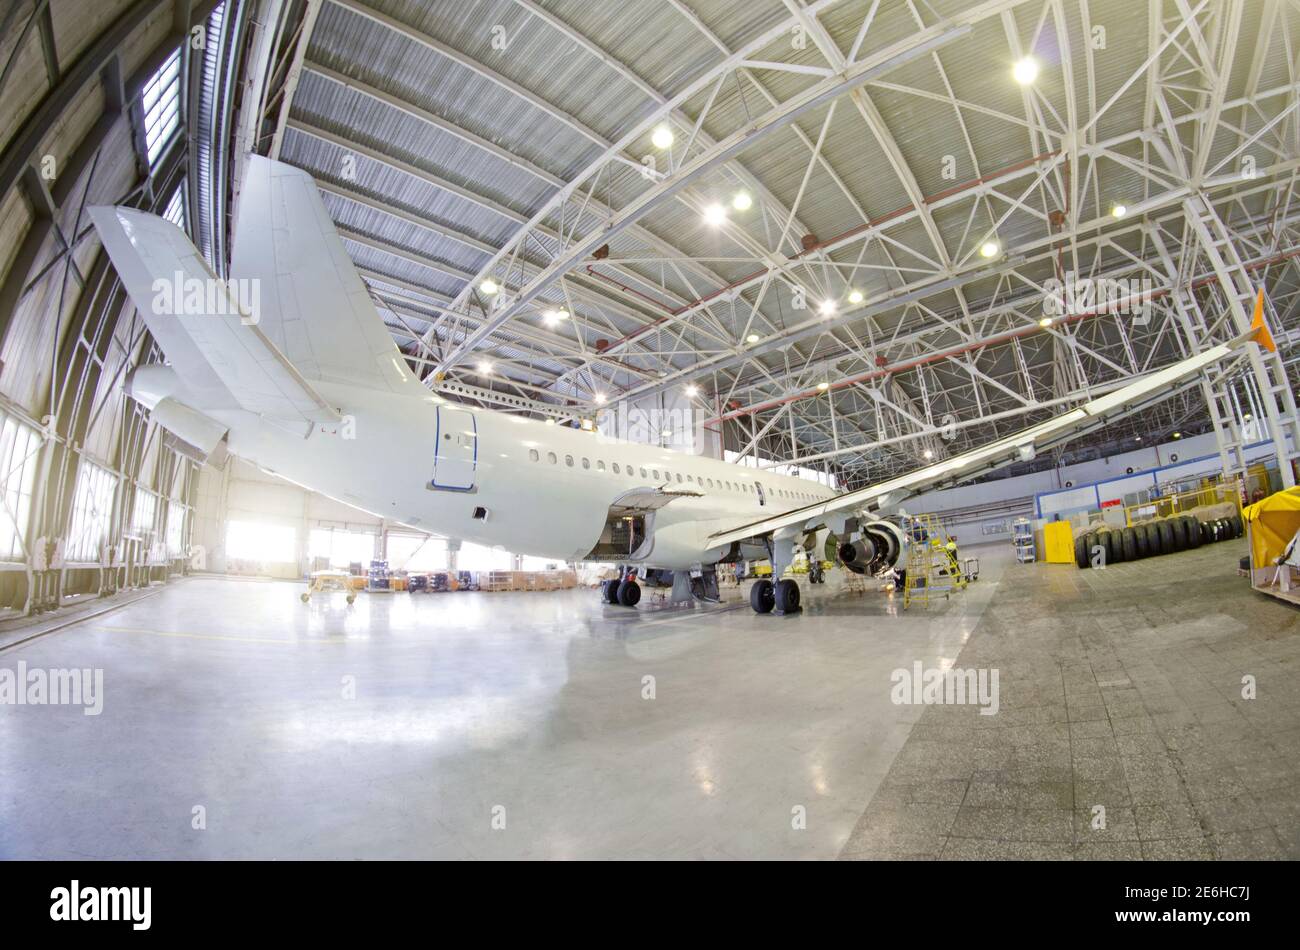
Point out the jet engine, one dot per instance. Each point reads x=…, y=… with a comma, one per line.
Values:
x=868, y=549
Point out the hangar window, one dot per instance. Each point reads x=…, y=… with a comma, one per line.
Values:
x=175, y=529
x=551, y=457
x=533, y=455
x=92, y=509
x=161, y=106
x=142, y=513
x=175, y=212
x=19, y=447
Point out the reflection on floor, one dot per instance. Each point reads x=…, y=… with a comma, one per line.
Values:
x=1124, y=730
x=532, y=725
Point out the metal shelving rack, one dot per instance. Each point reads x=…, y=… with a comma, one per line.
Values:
x=1022, y=536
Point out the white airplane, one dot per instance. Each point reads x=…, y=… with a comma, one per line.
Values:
x=297, y=374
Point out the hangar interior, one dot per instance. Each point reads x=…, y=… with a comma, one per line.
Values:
x=829, y=244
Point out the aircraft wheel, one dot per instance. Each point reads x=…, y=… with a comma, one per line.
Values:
x=1114, y=554
x=1238, y=529
x=306, y=597
x=787, y=596
x=629, y=592
x=762, y=597
x=1193, y=532
x=609, y=592
x=1081, y=551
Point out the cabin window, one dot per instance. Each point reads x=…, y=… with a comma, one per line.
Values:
x=600, y=466
x=586, y=463
x=568, y=460
x=550, y=457
x=679, y=477
x=656, y=473
x=643, y=475
x=533, y=456
x=616, y=471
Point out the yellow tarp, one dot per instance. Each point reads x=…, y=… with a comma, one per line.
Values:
x=1273, y=523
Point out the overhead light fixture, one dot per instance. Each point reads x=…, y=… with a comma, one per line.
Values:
x=752, y=338
x=600, y=399
x=823, y=386
x=666, y=434
x=855, y=296
x=1045, y=322
x=1119, y=211
x=989, y=249
x=715, y=215
x=489, y=286
x=741, y=201
x=1138, y=437
x=662, y=137
x=692, y=391
x=484, y=367
x=1178, y=435
x=663, y=373
x=827, y=308
x=928, y=454
x=1025, y=71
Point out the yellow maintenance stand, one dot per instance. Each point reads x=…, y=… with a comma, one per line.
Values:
x=932, y=565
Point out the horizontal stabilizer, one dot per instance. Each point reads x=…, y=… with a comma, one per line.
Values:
x=207, y=332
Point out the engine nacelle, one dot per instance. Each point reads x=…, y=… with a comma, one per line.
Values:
x=874, y=547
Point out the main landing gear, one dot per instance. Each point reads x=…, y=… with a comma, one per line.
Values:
x=624, y=591
x=783, y=596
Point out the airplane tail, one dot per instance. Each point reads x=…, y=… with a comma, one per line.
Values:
x=315, y=307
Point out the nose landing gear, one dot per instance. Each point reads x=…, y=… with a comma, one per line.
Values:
x=764, y=596
x=623, y=590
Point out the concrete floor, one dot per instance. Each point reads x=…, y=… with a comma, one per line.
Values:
x=229, y=695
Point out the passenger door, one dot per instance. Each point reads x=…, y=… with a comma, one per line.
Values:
x=456, y=455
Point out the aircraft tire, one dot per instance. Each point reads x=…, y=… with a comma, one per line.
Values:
x=1238, y=529
x=1180, y=533
x=1113, y=553
x=1166, y=537
x=609, y=591
x=629, y=592
x=1129, y=543
x=787, y=596
x=1193, y=531
x=762, y=597
x=1081, y=551
x=1140, y=539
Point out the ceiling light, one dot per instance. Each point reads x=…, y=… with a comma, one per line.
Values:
x=662, y=137
x=989, y=249
x=823, y=386
x=692, y=391
x=741, y=201
x=484, y=367
x=752, y=338
x=855, y=296
x=667, y=433
x=827, y=308
x=1025, y=71
x=489, y=286
x=715, y=215
x=1118, y=211
x=928, y=454
x=1045, y=322
x=1178, y=435
x=600, y=399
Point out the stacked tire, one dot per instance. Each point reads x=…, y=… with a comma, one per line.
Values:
x=1152, y=538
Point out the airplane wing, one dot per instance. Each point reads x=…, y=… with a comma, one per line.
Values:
x=211, y=341
x=1020, y=446
x=314, y=307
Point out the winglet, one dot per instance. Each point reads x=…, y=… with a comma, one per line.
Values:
x=1258, y=330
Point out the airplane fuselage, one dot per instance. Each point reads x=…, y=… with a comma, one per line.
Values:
x=501, y=480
